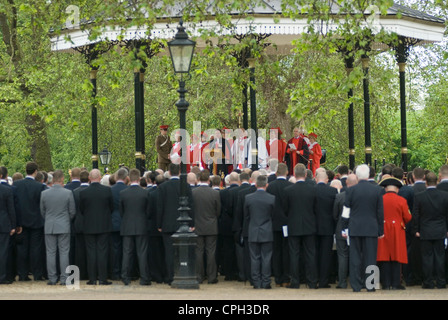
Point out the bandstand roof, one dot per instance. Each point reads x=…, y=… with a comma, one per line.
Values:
x=266, y=19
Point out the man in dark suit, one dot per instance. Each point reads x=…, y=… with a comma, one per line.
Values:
x=156, y=256
x=431, y=218
x=415, y=255
x=300, y=208
x=343, y=174
x=280, y=251
x=364, y=217
x=80, y=243
x=342, y=248
x=74, y=183
x=7, y=229
x=259, y=208
x=206, y=227
x=134, y=210
x=96, y=206
x=244, y=183
x=227, y=244
x=443, y=185
x=325, y=196
x=30, y=247
x=240, y=225
x=12, y=251
x=121, y=177
x=168, y=198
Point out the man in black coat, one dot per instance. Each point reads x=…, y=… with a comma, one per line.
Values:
x=168, y=198
x=12, y=251
x=443, y=185
x=431, y=219
x=300, y=208
x=156, y=255
x=228, y=257
x=116, y=257
x=325, y=196
x=280, y=258
x=363, y=215
x=30, y=246
x=78, y=224
x=244, y=183
x=7, y=229
x=96, y=206
x=134, y=211
x=259, y=208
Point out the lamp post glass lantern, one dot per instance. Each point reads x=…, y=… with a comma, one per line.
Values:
x=184, y=240
x=105, y=157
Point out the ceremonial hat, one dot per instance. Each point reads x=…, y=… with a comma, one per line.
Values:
x=204, y=134
x=312, y=135
x=279, y=131
x=164, y=127
x=391, y=181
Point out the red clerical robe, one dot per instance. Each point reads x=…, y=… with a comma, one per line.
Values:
x=195, y=155
x=176, y=155
x=392, y=247
x=316, y=155
x=295, y=158
x=276, y=149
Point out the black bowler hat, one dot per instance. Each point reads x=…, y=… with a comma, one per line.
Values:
x=391, y=181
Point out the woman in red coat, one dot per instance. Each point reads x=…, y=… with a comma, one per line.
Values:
x=315, y=153
x=392, y=251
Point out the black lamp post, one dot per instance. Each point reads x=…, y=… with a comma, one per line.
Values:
x=184, y=241
x=105, y=157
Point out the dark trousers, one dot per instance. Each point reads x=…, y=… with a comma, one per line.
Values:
x=156, y=259
x=228, y=255
x=363, y=251
x=324, y=258
x=117, y=254
x=280, y=258
x=308, y=243
x=260, y=261
x=97, y=247
x=415, y=261
x=433, y=262
x=135, y=244
x=81, y=256
x=343, y=258
x=207, y=245
x=169, y=255
x=4, y=249
x=390, y=274
x=11, y=266
x=31, y=253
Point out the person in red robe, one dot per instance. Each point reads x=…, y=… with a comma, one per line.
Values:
x=392, y=250
x=176, y=152
x=195, y=151
x=315, y=152
x=203, y=145
x=297, y=150
x=276, y=146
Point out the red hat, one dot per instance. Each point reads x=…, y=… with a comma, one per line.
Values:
x=164, y=127
x=279, y=131
x=204, y=134
x=312, y=135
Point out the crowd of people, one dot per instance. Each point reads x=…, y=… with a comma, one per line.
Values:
x=295, y=228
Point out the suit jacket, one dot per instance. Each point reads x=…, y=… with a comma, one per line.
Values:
x=240, y=224
x=431, y=214
x=259, y=208
x=225, y=222
x=57, y=207
x=325, y=196
x=78, y=221
x=96, y=205
x=337, y=212
x=419, y=187
x=365, y=201
x=168, y=205
x=152, y=222
x=116, y=216
x=207, y=210
x=7, y=210
x=16, y=203
x=443, y=185
x=72, y=185
x=300, y=208
x=134, y=211
x=277, y=189
x=28, y=193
